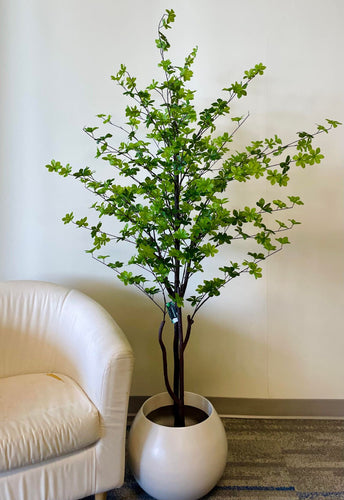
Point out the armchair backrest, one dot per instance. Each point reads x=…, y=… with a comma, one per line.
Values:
x=48, y=328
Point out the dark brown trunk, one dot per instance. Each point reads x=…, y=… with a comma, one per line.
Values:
x=176, y=360
x=179, y=408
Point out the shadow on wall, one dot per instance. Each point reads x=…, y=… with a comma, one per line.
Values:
x=223, y=357
x=139, y=319
x=229, y=355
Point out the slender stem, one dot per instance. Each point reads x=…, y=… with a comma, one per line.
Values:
x=176, y=361
x=188, y=331
x=181, y=364
x=167, y=101
x=165, y=366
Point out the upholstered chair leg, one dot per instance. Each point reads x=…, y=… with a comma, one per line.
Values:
x=100, y=496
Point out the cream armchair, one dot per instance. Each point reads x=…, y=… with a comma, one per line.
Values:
x=65, y=373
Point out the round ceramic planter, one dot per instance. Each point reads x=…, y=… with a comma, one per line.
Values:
x=177, y=463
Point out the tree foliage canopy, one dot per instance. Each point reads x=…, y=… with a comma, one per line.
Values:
x=174, y=210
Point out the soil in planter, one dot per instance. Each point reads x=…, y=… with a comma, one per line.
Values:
x=164, y=416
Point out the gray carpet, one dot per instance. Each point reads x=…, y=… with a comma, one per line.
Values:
x=272, y=459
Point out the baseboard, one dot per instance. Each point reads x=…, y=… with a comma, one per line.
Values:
x=276, y=408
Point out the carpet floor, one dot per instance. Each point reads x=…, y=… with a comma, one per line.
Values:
x=272, y=459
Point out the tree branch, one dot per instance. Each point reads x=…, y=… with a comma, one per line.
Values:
x=164, y=360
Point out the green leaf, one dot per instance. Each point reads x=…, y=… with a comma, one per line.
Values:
x=194, y=299
x=321, y=128
x=333, y=123
x=82, y=222
x=294, y=222
x=68, y=218
x=55, y=166
x=152, y=290
x=237, y=118
x=90, y=130
x=264, y=239
x=315, y=156
x=280, y=204
x=186, y=73
x=181, y=234
x=146, y=251
x=177, y=254
x=211, y=287
x=265, y=207
x=222, y=238
x=281, y=224
x=162, y=42
x=239, y=89
x=253, y=269
x=276, y=177
x=208, y=250
x=256, y=256
x=283, y=241
x=128, y=278
x=257, y=70
x=115, y=265
x=178, y=300
x=295, y=200
x=231, y=271
x=103, y=257
x=170, y=15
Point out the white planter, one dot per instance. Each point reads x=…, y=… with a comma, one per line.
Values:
x=177, y=463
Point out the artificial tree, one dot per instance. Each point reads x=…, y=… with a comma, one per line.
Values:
x=172, y=207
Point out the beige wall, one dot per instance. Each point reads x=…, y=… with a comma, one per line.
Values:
x=281, y=336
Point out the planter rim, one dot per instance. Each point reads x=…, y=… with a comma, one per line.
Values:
x=164, y=399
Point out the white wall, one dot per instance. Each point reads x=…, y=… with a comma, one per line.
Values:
x=281, y=336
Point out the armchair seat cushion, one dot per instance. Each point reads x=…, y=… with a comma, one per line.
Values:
x=43, y=416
